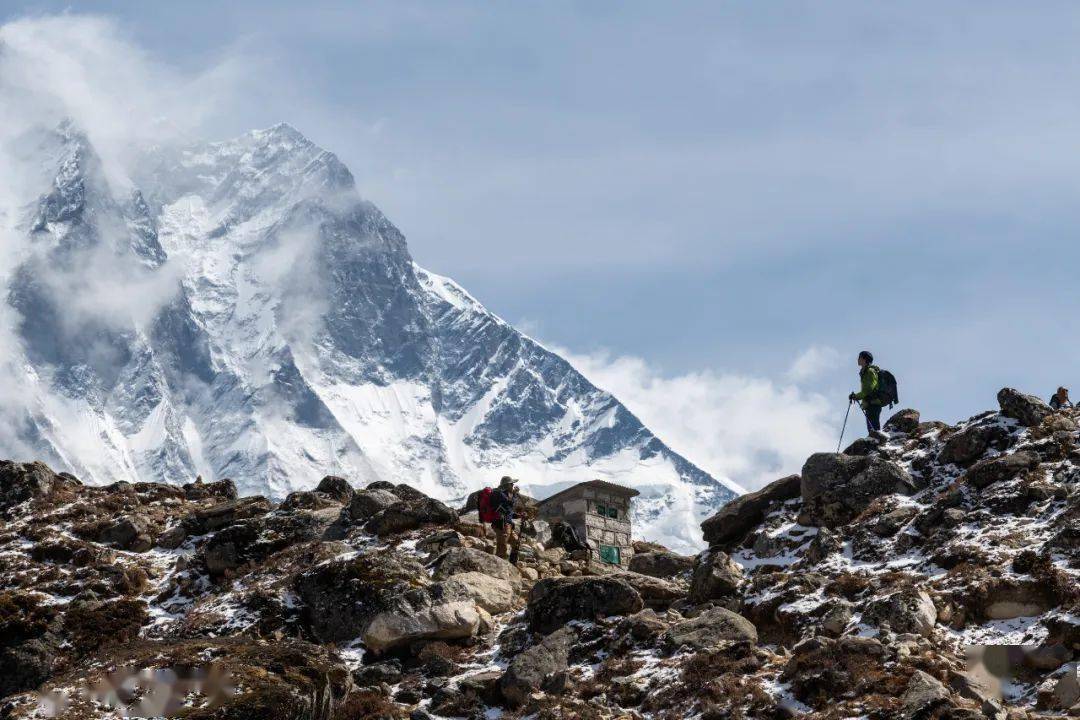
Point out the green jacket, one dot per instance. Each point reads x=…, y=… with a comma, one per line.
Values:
x=869, y=377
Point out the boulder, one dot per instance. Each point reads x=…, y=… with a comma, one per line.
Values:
x=172, y=537
x=905, y=421
x=307, y=500
x=128, y=532
x=863, y=446
x=923, y=693
x=1047, y=657
x=199, y=490
x=538, y=530
x=462, y=559
x=661, y=564
x=655, y=592
x=437, y=621
x=715, y=576
x=26, y=665
x=439, y=541
x=341, y=597
x=1027, y=409
x=835, y=488
x=835, y=619
x=1000, y=468
x=906, y=611
x=555, y=601
x=967, y=446
x=711, y=628
x=410, y=513
x=743, y=514
x=336, y=487
x=223, y=514
x=254, y=540
x=821, y=669
x=644, y=625
x=21, y=481
x=366, y=503
x=1066, y=692
x=537, y=667
x=491, y=593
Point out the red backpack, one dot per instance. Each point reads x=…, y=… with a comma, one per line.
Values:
x=486, y=505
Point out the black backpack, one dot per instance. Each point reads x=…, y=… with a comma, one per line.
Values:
x=886, y=390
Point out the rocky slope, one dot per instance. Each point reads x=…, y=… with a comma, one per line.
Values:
x=235, y=309
x=932, y=575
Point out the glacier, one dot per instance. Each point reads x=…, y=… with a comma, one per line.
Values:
x=236, y=309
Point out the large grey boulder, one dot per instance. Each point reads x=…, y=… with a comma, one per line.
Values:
x=968, y=445
x=905, y=421
x=555, y=601
x=1000, y=468
x=743, y=514
x=537, y=667
x=710, y=629
x=341, y=597
x=836, y=488
x=656, y=593
x=462, y=559
x=431, y=621
x=21, y=481
x=368, y=502
x=1027, y=409
x=494, y=595
x=412, y=510
x=224, y=514
x=923, y=693
x=128, y=532
x=906, y=611
x=336, y=487
x=715, y=576
x=661, y=563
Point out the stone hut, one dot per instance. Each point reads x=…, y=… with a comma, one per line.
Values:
x=599, y=512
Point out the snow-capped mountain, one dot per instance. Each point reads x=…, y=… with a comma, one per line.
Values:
x=239, y=311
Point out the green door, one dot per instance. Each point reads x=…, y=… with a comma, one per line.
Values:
x=609, y=554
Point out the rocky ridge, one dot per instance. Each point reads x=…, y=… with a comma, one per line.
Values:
x=930, y=575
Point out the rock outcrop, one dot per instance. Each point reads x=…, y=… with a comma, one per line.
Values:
x=744, y=513
x=851, y=590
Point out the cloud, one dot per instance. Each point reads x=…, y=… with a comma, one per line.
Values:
x=86, y=69
x=813, y=362
x=750, y=430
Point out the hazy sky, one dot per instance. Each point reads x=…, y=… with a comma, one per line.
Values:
x=709, y=190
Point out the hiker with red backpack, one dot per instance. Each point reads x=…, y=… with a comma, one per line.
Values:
x=877, y=389
x=497, y=507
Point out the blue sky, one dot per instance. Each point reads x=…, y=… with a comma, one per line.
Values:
x=711, y=188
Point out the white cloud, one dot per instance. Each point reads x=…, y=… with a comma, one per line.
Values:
x=85, y=69
x=750, y=430
x=813, y=362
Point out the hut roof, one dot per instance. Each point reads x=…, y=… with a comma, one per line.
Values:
x=598, y=484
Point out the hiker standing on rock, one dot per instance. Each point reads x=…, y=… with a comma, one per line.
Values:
x=497, y=506
x=868, y=396
x=1060, y=399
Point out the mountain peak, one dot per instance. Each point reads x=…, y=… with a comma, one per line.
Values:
x=305, y=340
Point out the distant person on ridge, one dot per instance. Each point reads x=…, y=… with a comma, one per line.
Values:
x=869, y=397
x=1060, y=399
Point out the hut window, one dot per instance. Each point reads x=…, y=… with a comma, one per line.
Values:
x=609, y=511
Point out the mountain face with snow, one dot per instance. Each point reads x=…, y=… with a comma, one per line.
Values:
x=237, y=310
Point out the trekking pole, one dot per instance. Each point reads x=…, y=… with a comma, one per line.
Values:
x=844, y=427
